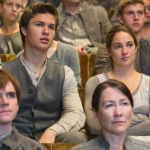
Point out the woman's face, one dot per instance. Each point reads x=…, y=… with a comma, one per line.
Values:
x=115, y=111
x=147, y=3
x=123, y=49
x=11, y=9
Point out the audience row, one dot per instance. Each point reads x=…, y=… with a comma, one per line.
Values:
x=46, y=107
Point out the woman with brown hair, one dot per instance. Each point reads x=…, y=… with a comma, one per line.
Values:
x=121, y=46
x=112, y=105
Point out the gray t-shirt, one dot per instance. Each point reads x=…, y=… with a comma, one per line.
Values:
x=11, y=44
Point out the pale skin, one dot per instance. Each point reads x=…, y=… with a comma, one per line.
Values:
x=10, y=13
x=134, y=17
x=123, y=69
x=8, y=107
x=73, y=7
x=39, y=37
x=114, y=115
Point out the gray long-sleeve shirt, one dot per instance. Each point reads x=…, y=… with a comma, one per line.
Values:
x=73, y=117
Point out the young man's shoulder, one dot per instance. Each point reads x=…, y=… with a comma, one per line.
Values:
x=27, y=143
x=18, y=141
x=145, y=42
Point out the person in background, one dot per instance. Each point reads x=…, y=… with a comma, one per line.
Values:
x=146, y=27
x=10, y=38
x=82, y=25
x=10, y=99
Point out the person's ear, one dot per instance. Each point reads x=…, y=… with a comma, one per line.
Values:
x=120, y=19
x=24, y=31
x=94, y=114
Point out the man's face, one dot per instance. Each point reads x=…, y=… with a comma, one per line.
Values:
x=8, y=104
x=133, y=16
x=40, y=32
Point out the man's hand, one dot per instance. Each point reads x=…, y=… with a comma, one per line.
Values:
x=81, y=50
x=48, y=136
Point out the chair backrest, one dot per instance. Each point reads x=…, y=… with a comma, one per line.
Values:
x=84, y=66
x=87, y=65
x=58, y=146
x=7, y=57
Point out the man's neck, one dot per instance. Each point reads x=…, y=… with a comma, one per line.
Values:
x=72, y=7
x=5, y=128
x=37, y=58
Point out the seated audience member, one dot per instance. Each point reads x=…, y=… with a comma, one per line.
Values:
x=10, y=97
x=146, y=27
x=10, y=38
x=82, y=25
x=50, y=109
x=112, y=107
x=64, y=54
x=131, y=13
x=122, y=45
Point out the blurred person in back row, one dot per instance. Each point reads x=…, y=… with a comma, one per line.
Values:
x=10, y=38
x=82, y=25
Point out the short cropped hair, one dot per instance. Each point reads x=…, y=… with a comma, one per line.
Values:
x=125, y=3
x=112, y=32
x=37, y=8
x=113, y=84
x=5, y=77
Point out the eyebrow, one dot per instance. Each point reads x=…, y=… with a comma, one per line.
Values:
x=130, y=42
x=112, y=101
x=8, y=92
x=127, y=42
x=44, y=23
x=117, y=43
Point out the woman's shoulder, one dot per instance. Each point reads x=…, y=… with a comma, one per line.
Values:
x=97, y=79
x=145, y=79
